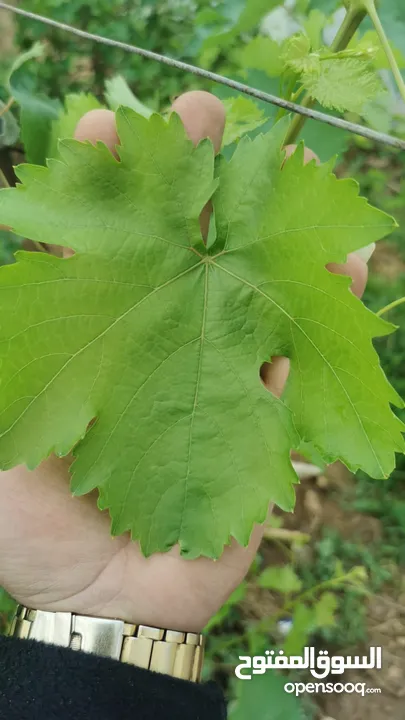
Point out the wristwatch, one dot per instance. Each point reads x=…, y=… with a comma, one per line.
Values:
x=179, y=654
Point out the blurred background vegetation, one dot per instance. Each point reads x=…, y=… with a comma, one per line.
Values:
x=332, y=575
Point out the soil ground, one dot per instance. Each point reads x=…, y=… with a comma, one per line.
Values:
x=318, y=507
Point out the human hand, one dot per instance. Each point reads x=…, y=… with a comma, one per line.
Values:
x=56, y=552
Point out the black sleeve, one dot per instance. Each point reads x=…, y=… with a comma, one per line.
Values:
x=43, y=682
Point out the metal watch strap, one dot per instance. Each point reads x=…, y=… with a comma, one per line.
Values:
x=174, y=653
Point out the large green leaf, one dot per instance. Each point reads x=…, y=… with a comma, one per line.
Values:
x=161, y=338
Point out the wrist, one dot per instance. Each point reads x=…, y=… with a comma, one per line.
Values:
x=171, y=652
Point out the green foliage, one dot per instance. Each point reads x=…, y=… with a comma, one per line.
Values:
x=381, y=292
x=325, y=610
x=75, y=106
x=314, y=24
x=220, y=25
x=363, y=565
x=342, y=81
x=261, y=53
x=297, y=54
x=242, y=116
x=37, y=111
x=237, y=596
x=9, y=128
x=392, y=15
x=9, y=244
x=75, y=65
x=318, y=323
x=319, y=605
x=342, y=84
x=264, y=698
x=118, y=92
x=283, y=579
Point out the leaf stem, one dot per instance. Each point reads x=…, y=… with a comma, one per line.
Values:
x=7, y=106
x=391, y=306
x=369, y=5
x=351, y=22
x=3, y=180
x=267, y=624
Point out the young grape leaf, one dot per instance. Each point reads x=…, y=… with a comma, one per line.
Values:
x=161, y=338
x=314, y=25
x=297, y=56
x=346, y=84
x=370, y=43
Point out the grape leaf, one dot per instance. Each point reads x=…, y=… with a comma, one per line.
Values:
x=161, y=338
x=314, y=25
x=264, y=698
x=230, y=19
x=261, y=53
x=325, y=610
x=346, y=84
x=304, y=623
x=283, y=579
x=242, y=116
x=118, y=92
x=297, y=55
x=371, y=41
x=37, y=111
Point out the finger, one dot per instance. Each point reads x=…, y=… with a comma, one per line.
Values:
x=203, y=116
x=308, y=154
x=355, y=268
x=98, y=125
x=274, y=374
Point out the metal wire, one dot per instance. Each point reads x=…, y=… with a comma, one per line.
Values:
x=214, y=77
